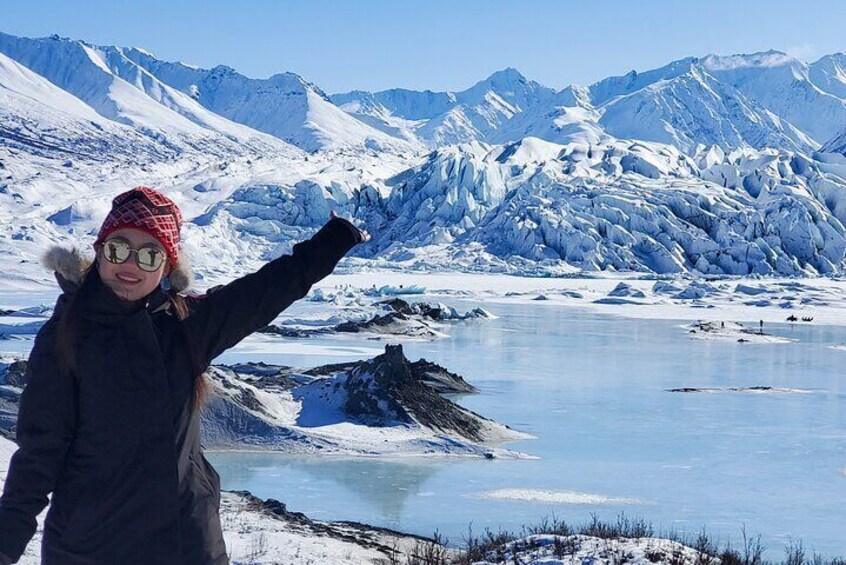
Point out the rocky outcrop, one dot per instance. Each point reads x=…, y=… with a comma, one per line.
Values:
x=386, y=389
x=262, y=406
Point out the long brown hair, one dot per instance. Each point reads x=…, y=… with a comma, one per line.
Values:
x=67, y=336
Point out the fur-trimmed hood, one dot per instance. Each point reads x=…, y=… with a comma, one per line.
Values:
x=70, y=264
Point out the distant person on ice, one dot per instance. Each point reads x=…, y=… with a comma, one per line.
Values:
x=109, y=419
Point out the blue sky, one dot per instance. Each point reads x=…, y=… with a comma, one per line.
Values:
x=436, y=44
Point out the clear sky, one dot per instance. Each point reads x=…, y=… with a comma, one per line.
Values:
x=437, y=44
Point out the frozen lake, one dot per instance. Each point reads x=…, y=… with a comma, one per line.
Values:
x=593, y=390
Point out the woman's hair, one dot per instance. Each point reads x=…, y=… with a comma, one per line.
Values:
x=67, y=336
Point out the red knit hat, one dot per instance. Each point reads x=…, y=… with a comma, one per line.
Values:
x=150, y=211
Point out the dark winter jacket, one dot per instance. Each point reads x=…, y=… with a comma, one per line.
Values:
x=115, y=440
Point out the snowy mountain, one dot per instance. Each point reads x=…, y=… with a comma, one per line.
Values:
x=284, y=105
x=445, y=118
x=38, y=116
x=782, y=85
x=123, y=93
x=175, y=101
x=569, y=116
x=829, y=74
x=716, y=165
x=695, y=108
x=760, y=100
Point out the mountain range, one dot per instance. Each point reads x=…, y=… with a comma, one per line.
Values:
x=716, y=164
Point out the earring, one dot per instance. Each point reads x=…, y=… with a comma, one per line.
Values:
x=165, y=283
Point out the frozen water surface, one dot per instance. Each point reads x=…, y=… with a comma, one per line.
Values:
x=611, y=437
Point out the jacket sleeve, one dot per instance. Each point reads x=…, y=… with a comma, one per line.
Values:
x=45, y=428
x=226, y=315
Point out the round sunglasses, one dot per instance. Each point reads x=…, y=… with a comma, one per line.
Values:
x=149, y=258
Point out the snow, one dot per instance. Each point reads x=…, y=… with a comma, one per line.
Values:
x=758, y=100
x=828, y=73
x=579, y=550
x=731, y=331
x=671, y=298
x=284, y=105
x=114, y=89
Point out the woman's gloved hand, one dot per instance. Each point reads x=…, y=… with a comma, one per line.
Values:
x=361, y=234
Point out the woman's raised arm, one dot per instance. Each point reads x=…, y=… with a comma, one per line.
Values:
x=224, y=316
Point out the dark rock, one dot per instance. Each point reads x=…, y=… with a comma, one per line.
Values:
x=279, y=509
x=14, y=374
x=248, y=398
x=440, y=379
x=405, y=318
x=330, y=369
x=287, y=332
x=392, y=323
x=385, y=389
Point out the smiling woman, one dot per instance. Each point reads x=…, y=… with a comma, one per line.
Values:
x=109, y=420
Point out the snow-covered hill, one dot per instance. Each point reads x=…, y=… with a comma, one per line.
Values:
x=383, y=405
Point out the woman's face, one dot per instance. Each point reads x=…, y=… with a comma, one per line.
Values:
x=127, y=279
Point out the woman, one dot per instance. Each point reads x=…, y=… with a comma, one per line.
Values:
x=109, y=419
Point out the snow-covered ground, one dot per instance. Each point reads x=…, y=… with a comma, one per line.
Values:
x=580, y=550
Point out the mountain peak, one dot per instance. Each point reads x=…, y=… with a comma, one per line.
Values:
x=222, y=70
x=509, y=74
x=293, y=82
x=632, y=81
x=839, y=58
